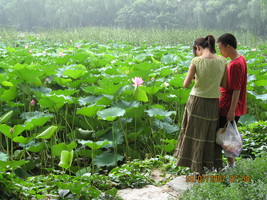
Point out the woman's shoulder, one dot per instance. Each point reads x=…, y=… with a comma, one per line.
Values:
x=222, y=59
x=196, y=59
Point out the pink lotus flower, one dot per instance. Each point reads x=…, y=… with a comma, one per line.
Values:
x=33, y=102
x=78, y=46
x=137, y=81
x=70, y=41
x=47, y=79
x=153, y=78
x=61, y=54
x=26, y=47
x=30, y=51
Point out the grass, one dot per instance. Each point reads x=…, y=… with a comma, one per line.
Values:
x=249, y=183
x=136, y=36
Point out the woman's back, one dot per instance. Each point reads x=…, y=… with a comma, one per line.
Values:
x=209, y=74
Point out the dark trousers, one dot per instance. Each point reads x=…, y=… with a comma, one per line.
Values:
x=223, y=121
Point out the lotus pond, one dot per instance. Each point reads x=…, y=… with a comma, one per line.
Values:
x=80, y=107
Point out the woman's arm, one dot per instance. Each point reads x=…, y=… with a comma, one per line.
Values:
x=224, y=79
x=190, y=75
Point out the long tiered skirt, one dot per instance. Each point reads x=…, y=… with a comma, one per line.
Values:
x=196, y=146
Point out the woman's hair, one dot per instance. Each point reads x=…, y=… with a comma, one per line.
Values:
x=205, y=42
x=228, y=38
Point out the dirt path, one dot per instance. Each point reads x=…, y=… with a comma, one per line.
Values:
x=171, y=191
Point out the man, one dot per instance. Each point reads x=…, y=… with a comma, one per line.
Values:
x=233, y=100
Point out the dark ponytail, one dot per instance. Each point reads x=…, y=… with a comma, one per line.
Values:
x=205, y=42
x=211, y=43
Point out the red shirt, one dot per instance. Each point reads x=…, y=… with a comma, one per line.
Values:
x=237, y=80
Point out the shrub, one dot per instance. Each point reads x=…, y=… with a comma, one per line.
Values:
x=254, y=139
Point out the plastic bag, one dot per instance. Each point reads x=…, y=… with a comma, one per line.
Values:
x=230, y=140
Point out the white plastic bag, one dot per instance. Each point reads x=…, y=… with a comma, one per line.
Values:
x=230, y=140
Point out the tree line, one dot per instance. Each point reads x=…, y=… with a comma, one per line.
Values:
x=242, y=15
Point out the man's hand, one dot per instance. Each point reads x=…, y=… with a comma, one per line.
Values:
x=231, y=115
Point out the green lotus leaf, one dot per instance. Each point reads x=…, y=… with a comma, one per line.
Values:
x=35, y=147
x=27, y=73
x=18, y=129
x=107, y=159
x=140, y=57
x=140, y=95
x=81, y=57
x=10, y=94
x=159, y=113
x=11, y=132
x=105, y=100
x=177, y=81
x=11, y=165
x=261, y=83
x=84, y=172
x=182, y=95
x=165, y=71
x=263, y=97
x=3, y=77
x=116, y=137
x=143, y=69
x=7, y=84
x=58, y=148
x=126, y=104
x=135, y=112
x=95, y=145
x=166, y=126
x=3, y=156
x=111, y=114
x=29, y=116
x=22, y=140
x=48, y=133
x=169, y=58
x=6, y=117
x=76, y=71
x=51, y=101
x=166, y=147
x=62, y=60
x=62, y=81
x=66, y=159
x=30, y=124
x=247, y=119
x=89, y=111
x=68, y=92
x=39, y=91
x=5, y=129
x=88, y=100
x=152, y=90
x=109, y=89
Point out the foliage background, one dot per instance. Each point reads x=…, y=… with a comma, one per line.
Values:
x=242, y=15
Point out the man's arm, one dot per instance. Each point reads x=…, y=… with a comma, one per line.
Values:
x=231, y=112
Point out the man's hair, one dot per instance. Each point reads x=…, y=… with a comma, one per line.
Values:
x=226, y=39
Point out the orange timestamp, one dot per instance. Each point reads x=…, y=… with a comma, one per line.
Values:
x=217, y=178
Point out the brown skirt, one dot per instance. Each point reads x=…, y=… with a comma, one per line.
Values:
x=196, y=146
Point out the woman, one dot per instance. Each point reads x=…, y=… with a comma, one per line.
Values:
x=196, y=146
